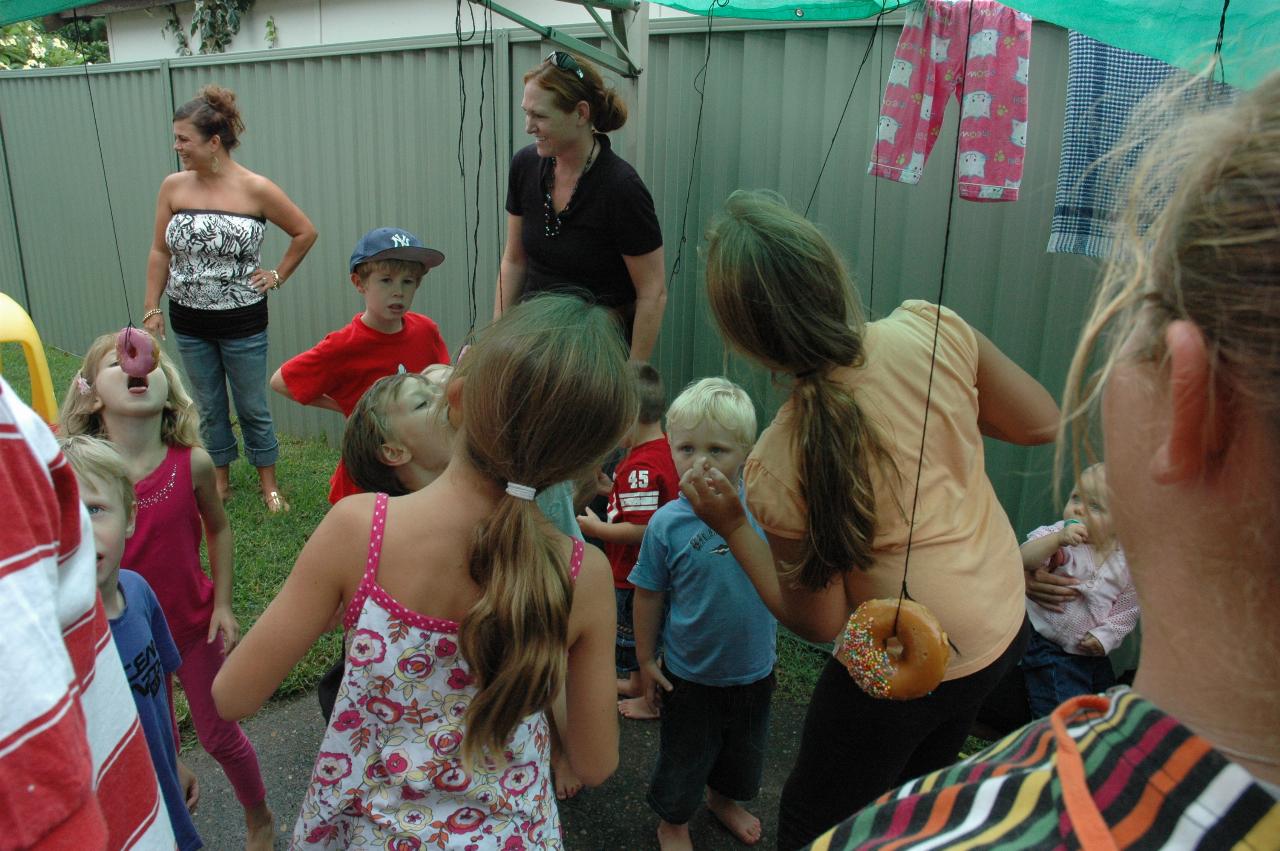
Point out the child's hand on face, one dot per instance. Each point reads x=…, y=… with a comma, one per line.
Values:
x=1092, y=646
x=714, y=498
x=225, y=622
x=590, y=523
x=1075, y=532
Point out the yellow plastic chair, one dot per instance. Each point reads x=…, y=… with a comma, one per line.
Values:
x=16, y=327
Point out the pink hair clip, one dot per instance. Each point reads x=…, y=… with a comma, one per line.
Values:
x=82, y=386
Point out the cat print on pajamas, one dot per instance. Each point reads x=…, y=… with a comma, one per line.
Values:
x=1024, y=70
x=915, y=16
x=887, y=130
x=915, y=169
x=983, y=43
x=939, y=49
x=900, y=73
x=991, y=192
x=973, y=164
x=976, y=105
x=1019, y=134
x=926, y=107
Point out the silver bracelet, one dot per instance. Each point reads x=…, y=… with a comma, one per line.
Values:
x=155, y=311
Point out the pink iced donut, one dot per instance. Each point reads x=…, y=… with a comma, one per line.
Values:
x=137, y=352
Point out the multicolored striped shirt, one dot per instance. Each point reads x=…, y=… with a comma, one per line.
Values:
x=1103, y=771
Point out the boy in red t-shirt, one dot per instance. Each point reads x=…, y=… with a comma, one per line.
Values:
x=387, y=266
x=643, y=482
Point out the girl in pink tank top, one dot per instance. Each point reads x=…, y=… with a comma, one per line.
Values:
x=467, y=613
x=153, y=423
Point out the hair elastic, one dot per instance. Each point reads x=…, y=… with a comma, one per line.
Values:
x=521, y=491
x=82, y=386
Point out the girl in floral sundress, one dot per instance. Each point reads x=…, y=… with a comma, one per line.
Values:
x=466, y=611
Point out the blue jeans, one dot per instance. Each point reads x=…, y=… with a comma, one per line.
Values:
x=210, y=364
x=1054, y=675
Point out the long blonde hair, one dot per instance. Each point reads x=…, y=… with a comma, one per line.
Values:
x=781, y=295
x=180, y=421
x=1200, y=241
x=546, y=393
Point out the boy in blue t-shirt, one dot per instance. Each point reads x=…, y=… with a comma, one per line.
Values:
x=138, y=627
x=719, y=640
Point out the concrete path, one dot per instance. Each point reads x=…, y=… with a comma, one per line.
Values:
x=614, y=816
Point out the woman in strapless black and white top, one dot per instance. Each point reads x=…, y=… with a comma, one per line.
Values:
x=210, y=220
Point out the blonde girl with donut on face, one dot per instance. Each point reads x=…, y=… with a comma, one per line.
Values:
x=831, y=482
x=1067, y=653
x=1188, y=394
x=153, y=424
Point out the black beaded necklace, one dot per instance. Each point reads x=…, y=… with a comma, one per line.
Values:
x=551, y=219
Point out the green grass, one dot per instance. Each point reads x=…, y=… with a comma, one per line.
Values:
x=266, y=545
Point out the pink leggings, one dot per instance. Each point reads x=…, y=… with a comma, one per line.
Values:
x=928, y=66
x=223, y=740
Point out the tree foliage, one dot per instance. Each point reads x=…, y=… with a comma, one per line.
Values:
x=27, y=44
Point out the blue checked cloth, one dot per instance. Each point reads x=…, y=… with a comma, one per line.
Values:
x=1104, y=86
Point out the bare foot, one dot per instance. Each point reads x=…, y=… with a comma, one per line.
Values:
x=674, y=837
x=744, y=826
x=638, y=709
x=627, y=688
x=567, y=783
x=260, y=829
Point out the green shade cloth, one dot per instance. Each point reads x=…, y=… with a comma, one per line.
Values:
x=25, y=10
x=1180, y=32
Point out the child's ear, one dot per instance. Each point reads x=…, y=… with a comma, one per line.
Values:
x=1199, y=427
x=394, y=454
x=133, y=521
x=357, y=282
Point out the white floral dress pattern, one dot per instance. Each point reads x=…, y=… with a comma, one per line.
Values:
x=389, y=774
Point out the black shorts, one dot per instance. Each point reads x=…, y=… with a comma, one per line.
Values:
x=711, y=736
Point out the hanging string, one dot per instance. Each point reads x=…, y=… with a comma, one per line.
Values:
x=461, y=40
x=1217, y=47
x=831, y=145
x=498, y=206
x=962, y=83
x=875, y=196
x=486, y=41
x=106, y=184
x=699, y=86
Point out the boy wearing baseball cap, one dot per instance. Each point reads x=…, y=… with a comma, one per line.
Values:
x=386, y=267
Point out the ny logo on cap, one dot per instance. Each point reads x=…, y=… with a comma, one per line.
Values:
x=400, y=240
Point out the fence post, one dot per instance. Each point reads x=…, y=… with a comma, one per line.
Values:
x=13, y=217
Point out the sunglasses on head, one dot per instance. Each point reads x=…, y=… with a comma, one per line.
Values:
x=565, y=62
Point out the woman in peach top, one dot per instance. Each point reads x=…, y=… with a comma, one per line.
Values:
x=833, y=479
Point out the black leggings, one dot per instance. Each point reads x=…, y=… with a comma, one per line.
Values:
x=855, y=747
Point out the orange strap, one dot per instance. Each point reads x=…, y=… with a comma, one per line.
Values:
x=1086, y=821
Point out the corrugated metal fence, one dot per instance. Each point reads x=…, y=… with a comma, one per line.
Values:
x=368, y=135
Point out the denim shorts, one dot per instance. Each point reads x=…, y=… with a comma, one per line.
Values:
x=711, y=736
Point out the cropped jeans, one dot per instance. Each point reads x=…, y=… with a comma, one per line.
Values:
x=242, y=361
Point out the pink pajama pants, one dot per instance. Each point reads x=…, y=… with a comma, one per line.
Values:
x=223, y=740
x=928, y=65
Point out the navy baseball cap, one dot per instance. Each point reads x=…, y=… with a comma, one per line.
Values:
x=393, y=244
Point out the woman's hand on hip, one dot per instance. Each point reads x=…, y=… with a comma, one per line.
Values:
x=264, y=279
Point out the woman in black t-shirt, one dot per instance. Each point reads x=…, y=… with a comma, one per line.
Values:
x=578, y=215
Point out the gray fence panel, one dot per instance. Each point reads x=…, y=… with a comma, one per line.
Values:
x=11, y=280
x=370, y=137
x=773, y=101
